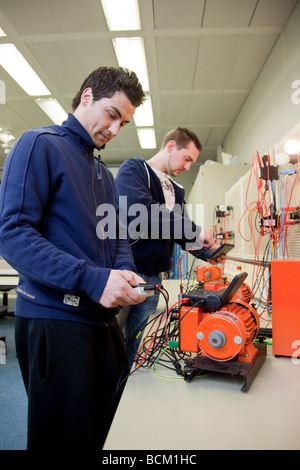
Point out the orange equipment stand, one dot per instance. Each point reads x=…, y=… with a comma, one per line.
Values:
x=285, y=307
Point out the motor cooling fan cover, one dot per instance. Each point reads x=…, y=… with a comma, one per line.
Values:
x=224, y=334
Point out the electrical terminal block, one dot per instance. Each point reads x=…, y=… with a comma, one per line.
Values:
x=269, y=222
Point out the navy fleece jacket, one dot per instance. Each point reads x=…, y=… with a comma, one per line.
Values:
x=51, y=188
x=137, y=183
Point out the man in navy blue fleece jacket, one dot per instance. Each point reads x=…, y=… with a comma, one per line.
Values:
x=72, y=276
x=165, y=221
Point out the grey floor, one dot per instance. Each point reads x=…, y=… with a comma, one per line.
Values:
x=13, y=399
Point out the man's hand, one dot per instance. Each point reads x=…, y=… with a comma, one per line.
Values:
x=118, y=290
x=208, y=240
x=209, y=244
x=220, y=258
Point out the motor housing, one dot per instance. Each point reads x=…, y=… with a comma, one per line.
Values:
x=220, y=335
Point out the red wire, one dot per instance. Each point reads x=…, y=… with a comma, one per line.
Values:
x=165, y=317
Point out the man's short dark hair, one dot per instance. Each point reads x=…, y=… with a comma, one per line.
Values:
x=106, y=81
x=182, y=136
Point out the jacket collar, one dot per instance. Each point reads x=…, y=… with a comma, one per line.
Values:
x=81, y=134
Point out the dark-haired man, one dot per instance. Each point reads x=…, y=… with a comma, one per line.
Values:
x=69, y=344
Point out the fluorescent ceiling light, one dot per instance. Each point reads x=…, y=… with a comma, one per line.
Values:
x=122, y=15
x=53, y=109
x=143, y=115
x=2, y=92
x=20, y=70
x=146, y=137
x=130, y=54
x=6, y=137
x=2, y=33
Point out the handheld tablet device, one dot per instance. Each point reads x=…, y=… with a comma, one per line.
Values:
x=208, y=255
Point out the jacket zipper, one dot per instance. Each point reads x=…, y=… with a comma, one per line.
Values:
x=90, y=158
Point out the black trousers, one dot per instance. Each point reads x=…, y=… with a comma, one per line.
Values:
x=74, y=376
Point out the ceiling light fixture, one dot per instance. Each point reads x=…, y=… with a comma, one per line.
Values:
x=143, y=115
x=53, y=109
x=6, y=137
x=17, y=66
x=7, y=140
x=122, y=15
x=146, y=137
x=130, y=54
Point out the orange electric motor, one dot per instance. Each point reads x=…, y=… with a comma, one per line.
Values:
x=229, y=332
x=208, y=273
x=244, y=293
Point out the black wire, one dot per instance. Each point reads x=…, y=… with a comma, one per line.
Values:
x=172, y=357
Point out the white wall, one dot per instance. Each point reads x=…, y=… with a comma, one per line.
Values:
x=209, y=190
x=273, y=106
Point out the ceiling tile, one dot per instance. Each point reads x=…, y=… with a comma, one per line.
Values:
x=176, y=60
x=176, y=14
x=228, y=13
x=203, y=58
x=54, y=16
x=67, y=63
x=272, y=12
x=217, y=136
x=250, y=60
x=175, y=108
x=212, y=71
x=215, y=109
